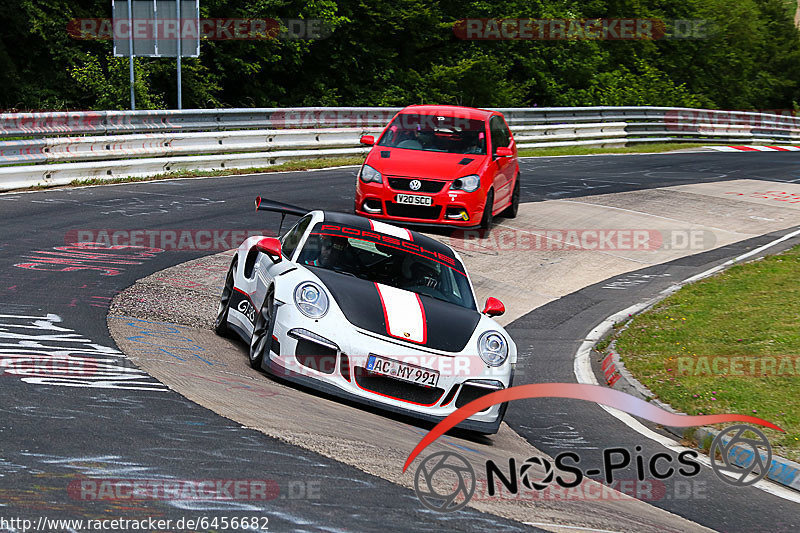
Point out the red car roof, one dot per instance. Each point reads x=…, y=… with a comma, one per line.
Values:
x=449, y=110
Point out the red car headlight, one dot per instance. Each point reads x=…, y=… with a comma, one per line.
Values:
x=368, y=174
x=469, y=183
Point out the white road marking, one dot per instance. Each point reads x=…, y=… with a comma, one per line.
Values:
x=573, y=528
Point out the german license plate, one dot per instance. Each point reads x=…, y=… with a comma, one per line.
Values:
x=413, y=199
x=403, y=371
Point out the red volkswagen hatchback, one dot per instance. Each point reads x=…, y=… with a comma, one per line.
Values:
x=443, y=165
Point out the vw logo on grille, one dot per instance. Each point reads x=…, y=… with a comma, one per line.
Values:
x=415, y=185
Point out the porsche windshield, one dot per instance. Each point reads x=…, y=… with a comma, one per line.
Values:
x=388, y=264
x=434, y=133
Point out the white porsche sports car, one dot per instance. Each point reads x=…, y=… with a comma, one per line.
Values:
x=368, y=311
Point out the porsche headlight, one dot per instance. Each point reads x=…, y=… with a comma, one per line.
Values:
x=469, y=183
x=311, y=300
x=368, y=174
x=493, y=348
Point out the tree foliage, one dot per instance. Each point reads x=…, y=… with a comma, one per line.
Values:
x=405, y=51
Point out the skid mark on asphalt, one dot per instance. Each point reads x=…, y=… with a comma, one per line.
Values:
x=557, y=432
x=134, y=206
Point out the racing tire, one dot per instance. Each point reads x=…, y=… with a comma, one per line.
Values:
x=221, y=322
x=487, y=218
x=261, y=341
x=511, y=210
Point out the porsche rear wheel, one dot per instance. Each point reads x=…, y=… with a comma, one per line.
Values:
x=262, y=330
x=221, y=322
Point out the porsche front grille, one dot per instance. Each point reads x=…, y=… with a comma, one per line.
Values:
x=396, y=388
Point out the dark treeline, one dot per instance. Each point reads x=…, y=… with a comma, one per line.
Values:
x=405, y=51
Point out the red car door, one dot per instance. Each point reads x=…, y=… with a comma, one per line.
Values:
x=502, y=167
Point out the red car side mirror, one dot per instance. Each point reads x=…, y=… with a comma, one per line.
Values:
x=270, y=246
x=494, y=307
x=504, y=151
x=369, y=140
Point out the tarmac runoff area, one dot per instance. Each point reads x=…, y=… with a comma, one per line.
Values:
x=163, y=323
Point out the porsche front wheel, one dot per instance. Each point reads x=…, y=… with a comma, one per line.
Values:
x=221, y=322
x=262, y=330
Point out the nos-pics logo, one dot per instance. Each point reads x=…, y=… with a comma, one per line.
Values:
x=445, y=481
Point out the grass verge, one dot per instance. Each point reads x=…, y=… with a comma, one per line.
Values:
x=728, y=344
x=589, y=150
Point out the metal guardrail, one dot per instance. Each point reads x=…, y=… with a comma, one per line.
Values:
x=119, y=122
x=56, y=148
x=17, y=177
x=110, y=147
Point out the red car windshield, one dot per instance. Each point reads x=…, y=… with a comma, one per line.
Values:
x=386, y=263
x=436, y=133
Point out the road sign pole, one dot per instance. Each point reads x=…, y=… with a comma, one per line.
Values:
x=147, y=13
x=130, y=53
x=180, y=53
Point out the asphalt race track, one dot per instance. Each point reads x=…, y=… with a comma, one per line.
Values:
x=53, y=435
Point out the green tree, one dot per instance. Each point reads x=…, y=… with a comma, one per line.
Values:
x=405, y=51
x=107, y=84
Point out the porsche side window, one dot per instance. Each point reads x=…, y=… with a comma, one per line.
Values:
x=452, y=285
x=293, y=236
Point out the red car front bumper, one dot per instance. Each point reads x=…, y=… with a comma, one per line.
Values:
x=449, y=207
